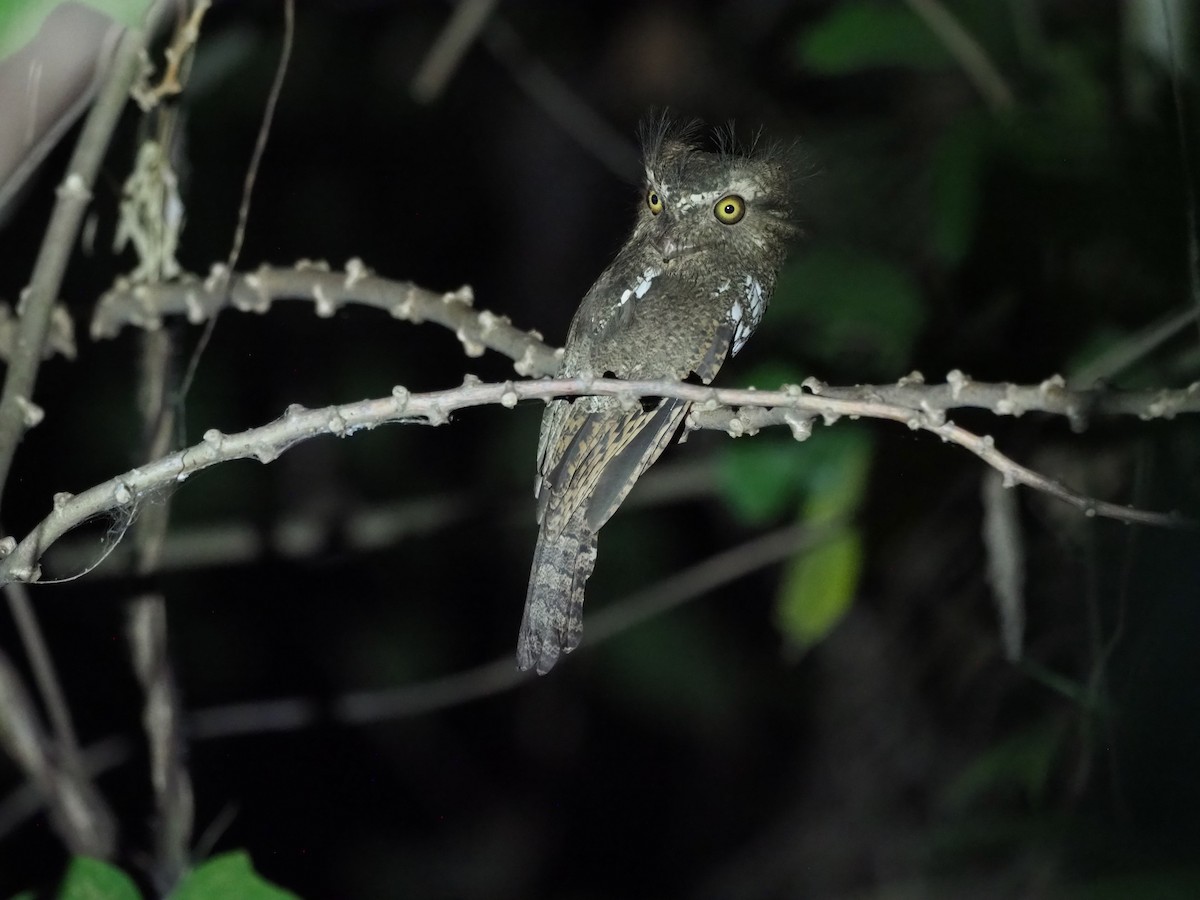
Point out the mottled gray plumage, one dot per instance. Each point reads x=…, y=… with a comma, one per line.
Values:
x=688, y=287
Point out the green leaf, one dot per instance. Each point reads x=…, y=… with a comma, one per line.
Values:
x=818, y=588
x=864, y=35
x=20, y=20
x=764, y=477
x=93, y=879
x=838, y=477
x=761, y=478
x=846, y=306
x=226, y=876
x=819, y=585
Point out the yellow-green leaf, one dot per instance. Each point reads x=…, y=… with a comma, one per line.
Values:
x=818, y=588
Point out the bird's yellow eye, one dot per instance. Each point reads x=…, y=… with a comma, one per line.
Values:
x=654, y=201
x=730, y=209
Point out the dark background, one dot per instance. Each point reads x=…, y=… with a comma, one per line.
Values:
x=704, y=753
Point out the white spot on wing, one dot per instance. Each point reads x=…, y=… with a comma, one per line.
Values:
x=638, y=291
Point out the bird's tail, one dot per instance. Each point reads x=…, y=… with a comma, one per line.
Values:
x=553, y=620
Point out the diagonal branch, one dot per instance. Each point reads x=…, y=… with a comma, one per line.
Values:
x=736, y=412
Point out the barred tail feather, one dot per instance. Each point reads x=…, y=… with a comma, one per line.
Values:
x=553, y=620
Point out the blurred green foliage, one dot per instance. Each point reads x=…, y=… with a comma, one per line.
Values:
x=21, y=19
x=825, y=480
x=855, y=36
x=93, y=879
x=844, y=303
x=224, y=877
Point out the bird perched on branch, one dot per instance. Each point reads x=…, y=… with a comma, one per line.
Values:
x=689, y=286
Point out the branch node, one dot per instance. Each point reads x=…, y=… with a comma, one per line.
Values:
x=628, y=401
x=489, y=322
x=801, y=425
x=464, y=295
x=259, y=300
x=194, y=308
x=74, y=187
x=31, y=413
x=525, y=365
x=218, y=275
x=61, y=499
x=324, y=304
x=913, y=377
x=213, y=438
x=356, y=271
x=401, y=394
x=1052, y=385
x=957, y=380
x=933, y=415
x=813, y=385
x=471, y=347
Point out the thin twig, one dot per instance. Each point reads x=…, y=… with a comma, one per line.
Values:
x=363, y=707
x=388, y=704
x=594, y=135
x=447, y=52
x=969, y=53
x=44, y=675
x=260, y=147
x=1133, y=348
x=79, y=815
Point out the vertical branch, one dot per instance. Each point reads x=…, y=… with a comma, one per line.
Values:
x=162, y=719
x=17, y=412
x=969, y=53
x=77, y=811
x=147, y=634
x=1185, y=162
x=80, y=815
